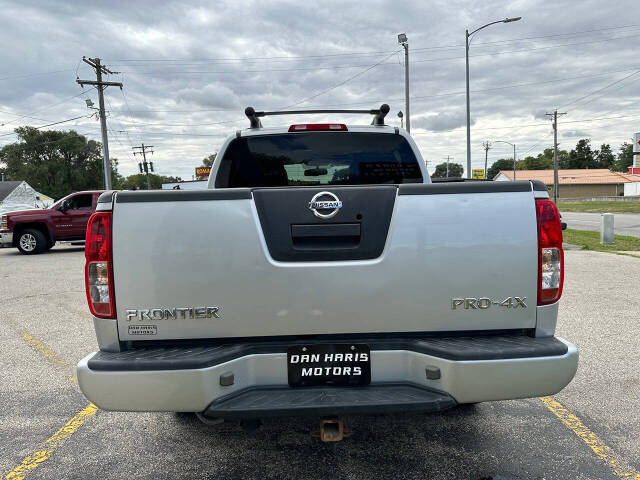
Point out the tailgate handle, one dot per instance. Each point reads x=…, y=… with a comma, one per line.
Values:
x=332, y=236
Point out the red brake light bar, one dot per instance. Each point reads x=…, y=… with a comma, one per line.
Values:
x=550, y=253
x=98, y=270
x=316, y=127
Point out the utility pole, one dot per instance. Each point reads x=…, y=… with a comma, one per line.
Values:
x=486, y=146
x=100, y=86
x=448, y=158
x=402, y=40
x=554, y=115
x=144, y=165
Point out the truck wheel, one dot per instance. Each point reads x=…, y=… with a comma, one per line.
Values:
x=31, y=241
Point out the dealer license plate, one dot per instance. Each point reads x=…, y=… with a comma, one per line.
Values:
x=329, y=364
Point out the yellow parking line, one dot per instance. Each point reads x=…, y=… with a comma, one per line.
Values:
x=598, y=446
x=47, y=353
x=54, y=441
x=44, y=350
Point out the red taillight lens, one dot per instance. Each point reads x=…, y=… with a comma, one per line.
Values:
x=98, y=270
x=550, y=254
x=311, y=127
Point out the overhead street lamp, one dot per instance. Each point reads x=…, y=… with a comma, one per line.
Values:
x=514, y=156
x=467, y=37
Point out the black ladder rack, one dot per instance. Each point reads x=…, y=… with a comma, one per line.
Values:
x=254, y=117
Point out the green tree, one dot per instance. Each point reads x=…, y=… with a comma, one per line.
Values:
x=605, y=157
x=624, y=158
x=54, y=162
x=455, y=170
x=502, y=164
x=208, y=161
x=139, y=181
x=540, y=162
x=580, y=157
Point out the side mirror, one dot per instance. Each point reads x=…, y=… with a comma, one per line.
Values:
x=66, y=205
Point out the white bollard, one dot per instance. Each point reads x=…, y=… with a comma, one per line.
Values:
x=606, y=229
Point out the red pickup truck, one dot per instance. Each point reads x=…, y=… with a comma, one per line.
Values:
x=35, y=231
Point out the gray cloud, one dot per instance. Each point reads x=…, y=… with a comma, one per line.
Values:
x=575, y=133
x=442, y=121
x=190, y=65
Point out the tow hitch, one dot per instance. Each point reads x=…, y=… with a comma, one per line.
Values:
x=331, y=430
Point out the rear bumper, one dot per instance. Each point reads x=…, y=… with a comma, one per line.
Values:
x=188, y=379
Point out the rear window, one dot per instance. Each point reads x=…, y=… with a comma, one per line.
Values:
x=318, y=158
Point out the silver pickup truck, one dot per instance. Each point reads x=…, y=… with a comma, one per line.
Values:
x=322, y=273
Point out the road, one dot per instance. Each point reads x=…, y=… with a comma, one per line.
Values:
x=623, y=223
x=49, y=430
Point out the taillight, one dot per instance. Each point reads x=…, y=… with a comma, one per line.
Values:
x=98, y=270
x=310, y=127
x=550, y=254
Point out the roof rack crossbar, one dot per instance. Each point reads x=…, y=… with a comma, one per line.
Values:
x=254, y=117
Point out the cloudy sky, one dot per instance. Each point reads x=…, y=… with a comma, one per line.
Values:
x=190, y=68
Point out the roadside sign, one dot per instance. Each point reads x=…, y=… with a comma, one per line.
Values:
x=203, y=171
x=636, y=143
x=477, y=173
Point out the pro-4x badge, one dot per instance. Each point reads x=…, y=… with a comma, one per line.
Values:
x=472, y=303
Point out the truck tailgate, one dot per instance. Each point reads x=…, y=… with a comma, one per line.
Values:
x=244, y=263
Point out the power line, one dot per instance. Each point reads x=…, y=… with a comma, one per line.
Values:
x=601, y=89
x=45, y=108
x=173, y=72
x=369, y=53
x=35, y=74
x=367, y=102
x=27, y=145
x=519, y=39
x=525, y=49
x=333, y=67
x=304, y=100
x=50, y=124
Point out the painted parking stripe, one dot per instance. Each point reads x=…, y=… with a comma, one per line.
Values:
x=45, y=351
x=49, y=446
x=619, y=467
x=54, y=441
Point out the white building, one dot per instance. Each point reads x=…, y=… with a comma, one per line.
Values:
x=19, y=195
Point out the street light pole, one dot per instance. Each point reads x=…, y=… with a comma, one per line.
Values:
x=467, y=37
x=402, y=40
x=466, y=32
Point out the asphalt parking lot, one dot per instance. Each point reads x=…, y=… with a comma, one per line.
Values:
x=591, y=430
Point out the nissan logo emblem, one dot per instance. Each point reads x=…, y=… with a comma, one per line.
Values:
x=323, y=207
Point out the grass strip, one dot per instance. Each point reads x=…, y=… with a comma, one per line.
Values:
x=591, y=241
